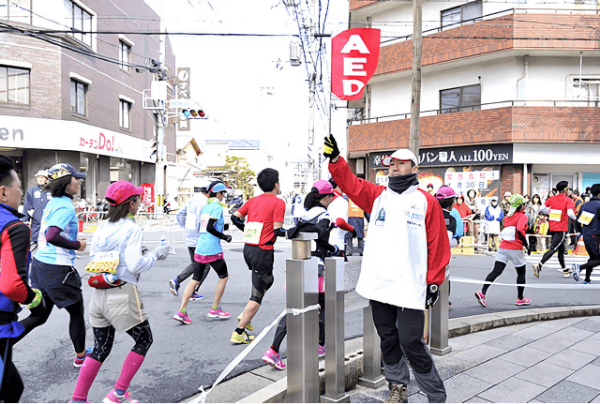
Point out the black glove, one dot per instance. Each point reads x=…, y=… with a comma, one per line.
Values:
x=433, y=294
x=226, y=227
x=280, y=232
x=228, y=238
x=354, y=234
x=330, y=148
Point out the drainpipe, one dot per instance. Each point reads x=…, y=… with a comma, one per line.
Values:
x=580, y=67
x=524, y=179
x=526, y=65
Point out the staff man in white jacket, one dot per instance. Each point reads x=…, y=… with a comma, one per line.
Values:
x=188, y=217
x=403, y=265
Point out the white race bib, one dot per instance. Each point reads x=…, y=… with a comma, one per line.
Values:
x=190, y=222
x=204, y=218
x=104, y=262
x=586, y=218
x=555, y=215
x=508, y=234
x=252, y=232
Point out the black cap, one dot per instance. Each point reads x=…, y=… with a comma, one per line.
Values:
x=561, y=186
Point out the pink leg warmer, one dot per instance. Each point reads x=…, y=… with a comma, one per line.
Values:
x=133, y=361
x=87, y=375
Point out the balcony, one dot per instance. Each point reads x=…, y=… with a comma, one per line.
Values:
x=499, y=122
x=515, y=29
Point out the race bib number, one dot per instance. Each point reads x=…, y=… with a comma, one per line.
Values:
x=508, y=234
x=104, y=262
x=252, y=232
x=555, y=215
x=586, y=218
x=204, y=222
x=190, y=222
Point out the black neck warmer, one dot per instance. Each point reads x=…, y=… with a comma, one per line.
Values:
x=401, y=183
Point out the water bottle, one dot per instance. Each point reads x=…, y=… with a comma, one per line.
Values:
x=164, y=242
x=112, y=279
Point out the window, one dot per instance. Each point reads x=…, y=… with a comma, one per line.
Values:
x=460, y=99
x=124, y=114
x=80, y=21
x=78, y=93
x=16, y=10
x=462, y=13
x=14, y=85
x=124, y=51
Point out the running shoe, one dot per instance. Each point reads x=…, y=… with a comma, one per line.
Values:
x=481, y=298
x=321, y=350
x=576, y=271
x=242, y=338
x=174, y=286
x=182, y=318
x=79, y=361
x=272, y=358
x=249, y=325
x=566, y=273
x=523, y=302
x=398, y=394
x=113, y=397
x=586, y=283
x=218, y=313
x=196, y=297
x=537, y=268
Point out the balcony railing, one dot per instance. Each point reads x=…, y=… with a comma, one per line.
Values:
x=497, y=14
x=489, y=105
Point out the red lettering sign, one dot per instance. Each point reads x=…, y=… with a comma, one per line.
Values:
x=354, y=58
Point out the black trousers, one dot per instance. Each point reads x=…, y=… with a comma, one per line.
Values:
x=11, y=385
x=592, y=246
x=557, y=244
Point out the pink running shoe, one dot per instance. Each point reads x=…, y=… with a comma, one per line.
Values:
x=218, y=313
x=272, y=358
x=78, y=362
x=321, y=350
x=480, y=298
x=182, y=318
x=523, y=302
x=112, y=397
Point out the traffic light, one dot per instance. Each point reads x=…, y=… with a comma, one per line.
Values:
x=193, y=114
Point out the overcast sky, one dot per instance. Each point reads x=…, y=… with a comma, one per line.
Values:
x=247, y=85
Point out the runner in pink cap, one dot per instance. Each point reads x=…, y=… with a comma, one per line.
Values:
x=324, y=187
x=445, y=192
x=118, y=192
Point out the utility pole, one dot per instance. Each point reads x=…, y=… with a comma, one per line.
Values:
x=160, y=176
x=415, y=106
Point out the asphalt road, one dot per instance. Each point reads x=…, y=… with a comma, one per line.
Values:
x=183, y=358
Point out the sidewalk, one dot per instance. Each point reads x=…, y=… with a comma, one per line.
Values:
x=546, y=361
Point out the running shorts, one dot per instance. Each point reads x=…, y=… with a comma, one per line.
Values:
x=516, y=256
x=120, y=307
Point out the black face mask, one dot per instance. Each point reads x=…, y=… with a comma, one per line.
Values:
x=401, y=183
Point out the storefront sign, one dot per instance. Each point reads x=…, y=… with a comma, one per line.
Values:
x=148, y=196
x=55, y=134
x=485, y=180
x=449, y=156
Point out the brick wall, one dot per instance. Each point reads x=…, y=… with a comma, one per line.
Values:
x=515, y=31
x=511, y=179
x=354, y=4
x=502, y=125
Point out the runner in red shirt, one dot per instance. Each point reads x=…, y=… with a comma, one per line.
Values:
x=265, y=213
x=511, y=249
x=559, y=208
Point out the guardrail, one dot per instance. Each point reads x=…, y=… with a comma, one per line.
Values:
x=144, y=219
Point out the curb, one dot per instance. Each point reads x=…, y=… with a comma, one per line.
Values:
x=276, y=391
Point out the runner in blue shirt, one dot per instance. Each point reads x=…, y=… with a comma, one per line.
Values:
x=52, y=269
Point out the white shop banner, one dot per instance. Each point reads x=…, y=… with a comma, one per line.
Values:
x=55, y=134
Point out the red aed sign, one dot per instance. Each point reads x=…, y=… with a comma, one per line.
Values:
x=354, y=57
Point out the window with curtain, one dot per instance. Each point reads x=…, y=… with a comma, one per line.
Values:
x=124, y=51
x=78, y=95
x=14, y=85
x=453, y=16
x=459, y=99
x=124, y=114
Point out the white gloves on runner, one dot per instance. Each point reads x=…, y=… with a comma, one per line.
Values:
x=161, y=252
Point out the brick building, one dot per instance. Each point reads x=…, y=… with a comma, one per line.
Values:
x=59, y=105
x=509, y=101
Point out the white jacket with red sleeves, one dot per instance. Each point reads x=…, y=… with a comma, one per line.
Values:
x=407, y=247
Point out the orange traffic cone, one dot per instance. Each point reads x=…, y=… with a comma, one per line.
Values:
x=580, y=248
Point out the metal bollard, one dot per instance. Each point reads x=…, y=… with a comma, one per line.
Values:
x=439, y=323
x=334, y=332
x=303, y=329
x=372, y=376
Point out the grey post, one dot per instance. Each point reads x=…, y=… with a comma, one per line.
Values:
x=439, y=323
x=372, y=376
x=303, y=330
x=334, y=332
